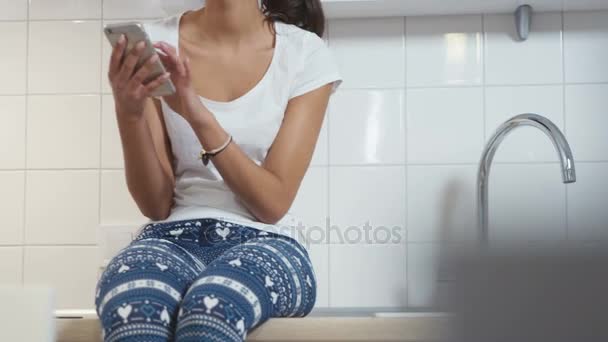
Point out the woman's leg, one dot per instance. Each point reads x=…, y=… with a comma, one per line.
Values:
x=139, y=293
x=261, y=278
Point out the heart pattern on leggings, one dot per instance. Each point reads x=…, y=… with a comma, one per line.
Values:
x=124, y=312
x=223, y=232
x=210, y=303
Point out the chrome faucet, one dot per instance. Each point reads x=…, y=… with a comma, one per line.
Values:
x=559, y=142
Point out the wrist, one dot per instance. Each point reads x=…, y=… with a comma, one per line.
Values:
x=200, y=117
x=128, y=118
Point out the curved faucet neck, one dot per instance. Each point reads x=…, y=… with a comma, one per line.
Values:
x=546, y=126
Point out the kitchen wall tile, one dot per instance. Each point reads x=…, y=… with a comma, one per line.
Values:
x=444, y=125
x=13, y=9
x=62, y=207
x=11, y=265
x=367, y=205
x=68, y=65
x=12, y=207
x=111, y=147
x=119, y=9
x=319, y=255
x=527, y=202
x=63, y=131
x=367, y=275
x=444, y=50
x=525, y=144
x=13, y=59
x=117, y=205
x=370, y=52
x=311, y=205
x=423, y=278
x=441, y=203
x=586, y=121
x=538, y=60
x=65, y=9
x=586, y=46
x=587, y=198
x=70, y=271
x=12, y=132
x=367, y=127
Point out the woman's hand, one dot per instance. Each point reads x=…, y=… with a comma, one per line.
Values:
x=127, y=84
x=185, y=101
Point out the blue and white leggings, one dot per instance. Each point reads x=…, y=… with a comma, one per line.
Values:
x=202, y=280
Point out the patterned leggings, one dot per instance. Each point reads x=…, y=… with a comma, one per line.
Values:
x=202, y=280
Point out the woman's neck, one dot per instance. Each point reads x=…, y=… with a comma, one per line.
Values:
x=230, y=20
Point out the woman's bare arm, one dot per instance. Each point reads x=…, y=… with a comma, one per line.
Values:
x=145, y=144
x=268, y=191
x=148, y=167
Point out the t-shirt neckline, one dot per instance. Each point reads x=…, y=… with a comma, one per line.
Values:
x=254, y=89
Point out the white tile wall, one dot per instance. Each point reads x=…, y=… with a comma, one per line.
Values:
x=441, y=203
x=65, y=9
x=369, y=52
x=111, y=148
x=402, y=141
x=62, y=207
x=444, y=125
x=367, y=275
x=311, y=204
x=12, y=132
x=12, y=207
x=367, y=205
x=13, y=59
x=586, y=46
x=367, y=127
x=72, y=270
x=444, y=51
x=538, y=60
x=63, y=131
x=13, y=9
x=11, y=265
x=423, y=265
x=586, y=120
x=64, y=57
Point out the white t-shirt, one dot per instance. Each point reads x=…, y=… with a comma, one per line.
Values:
x=301, y=63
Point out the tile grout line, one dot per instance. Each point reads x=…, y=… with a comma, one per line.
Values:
x=97, y=229
x=25, y=173
x=463, y=86
x=406, y=156
x=563, y=47
x=483, y=77
x=540, y=162
x=327, y=190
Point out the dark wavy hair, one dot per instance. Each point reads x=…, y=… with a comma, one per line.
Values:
x=306, y=14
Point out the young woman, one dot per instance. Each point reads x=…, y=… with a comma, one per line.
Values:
x=221, y=254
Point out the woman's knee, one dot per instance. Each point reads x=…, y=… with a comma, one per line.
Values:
x=276, y=269
x=146, y=264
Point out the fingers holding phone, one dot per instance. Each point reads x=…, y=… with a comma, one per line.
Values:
x=136, y=71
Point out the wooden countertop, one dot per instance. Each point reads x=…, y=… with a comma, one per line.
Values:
x=302, y=329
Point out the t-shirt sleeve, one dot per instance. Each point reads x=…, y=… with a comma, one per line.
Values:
x=317, y=68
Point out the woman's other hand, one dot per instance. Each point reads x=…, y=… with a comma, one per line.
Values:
x=185, y=101
x=127, y=80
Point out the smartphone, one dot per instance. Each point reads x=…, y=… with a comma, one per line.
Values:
x=135, y=32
